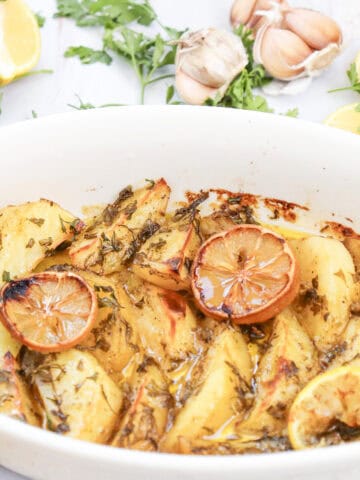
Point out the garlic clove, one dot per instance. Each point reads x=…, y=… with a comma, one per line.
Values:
x=241, y=12
x=192, y=91
x=244, y=12
x=281, y=52
x=316, y=29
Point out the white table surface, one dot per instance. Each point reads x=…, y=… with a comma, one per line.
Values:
x=100, y=84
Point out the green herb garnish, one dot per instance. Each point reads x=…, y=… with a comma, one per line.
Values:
x=40, y=19
x=354, y=81
x=88, y=55
x=88, y=106
x=147, y=55
x=6, y=276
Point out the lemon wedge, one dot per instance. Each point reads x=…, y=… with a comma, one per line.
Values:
x=346, y=118
x=20, y=41
x=327, y=410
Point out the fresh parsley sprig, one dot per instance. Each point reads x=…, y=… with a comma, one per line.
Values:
x=354, y=81
x=109, y=13
x=88, y=55
x=148, y=56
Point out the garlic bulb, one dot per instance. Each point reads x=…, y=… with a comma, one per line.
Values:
x=206, y=63
x=290, y=42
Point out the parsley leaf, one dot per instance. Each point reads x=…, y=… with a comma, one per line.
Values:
x=292, y=112
x=88, y=106
x=88, y=56
x=109, y=13
x=146, y=55
x=40, y=19
x=354, y=81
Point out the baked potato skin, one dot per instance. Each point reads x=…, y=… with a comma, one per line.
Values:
x=78, y=398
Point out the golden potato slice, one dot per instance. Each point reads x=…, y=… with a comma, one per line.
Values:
x=289, y=363
x=161, y=318
x=327, y=278
x=147, y=400
x=165, y=259
x=8, y=343
x=114, y=237
x=219, y=393
x=15, y=398
x=79, y=399
x=29, y=232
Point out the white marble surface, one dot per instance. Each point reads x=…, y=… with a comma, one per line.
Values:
x=99, y=84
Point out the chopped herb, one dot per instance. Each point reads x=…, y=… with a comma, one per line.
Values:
x=34, y=114
x=30, y=243
x=37, y=221
x=191, y=210
x=150, y=182
x=46, y=242
x=354, y=81
x=88, y=55
x=292, y=112
x=6, y=276
x=40, y=19
x=103, y=288
x=148, y=230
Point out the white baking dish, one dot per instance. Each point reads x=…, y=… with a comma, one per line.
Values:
x=86, y=157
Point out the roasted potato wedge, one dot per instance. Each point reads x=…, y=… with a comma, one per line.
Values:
x=220, y=391
x=113, y=340
x=215, y=223
x=114, y=237
x=147, y=400
x=288, y=364
x=79, y=399
x=8, y=343
x=28, y=233
x=15, y=398
x=353, y=245
x=327, y=278
x=161, y=318
x=165, y=259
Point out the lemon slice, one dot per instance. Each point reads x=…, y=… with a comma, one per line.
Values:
x=327, y=410
x=50, y=311
x=346, y=118
x=247, y=274
x=20, y=41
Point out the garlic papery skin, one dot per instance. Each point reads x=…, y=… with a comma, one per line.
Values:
x=281, y=52
x=245, y=12
x=316, y=29
x=206, y=63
